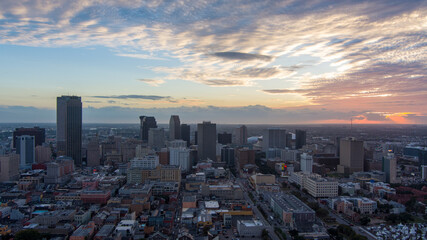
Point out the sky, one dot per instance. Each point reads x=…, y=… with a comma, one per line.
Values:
x=279, y=62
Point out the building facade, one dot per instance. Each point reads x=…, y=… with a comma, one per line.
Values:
x=69, y=127
x=25, y=147
x=174, y=128
x=351, y=156
x=206, y=137
x=145, y=124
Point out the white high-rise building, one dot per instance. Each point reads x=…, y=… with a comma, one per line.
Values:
x=180, y=157
x=306, y=163
x=25, y=147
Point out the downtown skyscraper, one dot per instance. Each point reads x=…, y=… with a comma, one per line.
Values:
x=69, y=127
x=174, y=128
x=206, y=137
x=146, y=124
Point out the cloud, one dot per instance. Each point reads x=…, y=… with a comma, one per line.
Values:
x=144, y=97
x=252, y=114
x=242, y=56
x=282, y=91
x=223, y=82
x=140, y=56
x=152, y=82
x=365, y=54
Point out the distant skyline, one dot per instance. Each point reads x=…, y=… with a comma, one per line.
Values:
x=261, y=62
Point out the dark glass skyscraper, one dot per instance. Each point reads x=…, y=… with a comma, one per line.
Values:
x=300, y=138
x=224, y=138
x=69, y=127
x=185, y=133
x=146, y=124
x=174, y=128
x=206, y=138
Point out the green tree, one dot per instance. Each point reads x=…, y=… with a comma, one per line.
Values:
x=28, y=234
x=293, y=233
x=365, y=220
x=206, y=229
x=313, y=205
x=264, y=234
x=322, y=213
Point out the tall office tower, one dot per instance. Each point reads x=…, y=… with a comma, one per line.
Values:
x=227, y=156
x=338, y=146
x=244, y=156
x=69, y=127
x=93, y=153
x=180, y=157
x=195, y=138
x=224, y=138
x=289, y=140
x=185, y=133
x=306, y=163
x=274, y=138
x=146, y=124
x=300, y=138
x=241, y=135
x=174, y=128
x=389, y=167
x=351, y=156
x=43, y=153
x=206, y=138
x=9, y=167
x=26, y=150
x=38, y=133
x=156, y=138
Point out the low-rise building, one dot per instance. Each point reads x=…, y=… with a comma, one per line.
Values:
x=349, y=188
x=250, y=228
x=321, y=187
x=292, y=211
x=126, y=228
x=84, y=232
x=82, y=217
x=348, y=205
x=226, y=191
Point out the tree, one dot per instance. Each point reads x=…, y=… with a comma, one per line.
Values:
x=293, y=233
x=27, y=234
x=322, y=213
x=365, y=220
x=313, y=205
x=264, y=234
x=206, y=230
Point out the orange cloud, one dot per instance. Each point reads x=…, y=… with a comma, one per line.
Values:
x=400, y=118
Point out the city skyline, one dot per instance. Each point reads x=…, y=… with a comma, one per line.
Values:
x=270, y=62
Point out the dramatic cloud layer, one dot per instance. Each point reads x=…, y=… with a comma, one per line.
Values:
x=362, y=56
x=246, y=114
x=241, y=56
